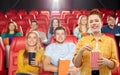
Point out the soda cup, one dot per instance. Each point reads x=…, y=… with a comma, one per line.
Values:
x=31, y=56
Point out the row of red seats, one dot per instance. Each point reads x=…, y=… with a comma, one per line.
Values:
x=34, y=13
x=67, y=19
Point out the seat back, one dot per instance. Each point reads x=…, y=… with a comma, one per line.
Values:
x=2, y=56
x=69, y=38
x=17, y=44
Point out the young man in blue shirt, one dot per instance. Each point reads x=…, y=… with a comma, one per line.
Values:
x=57, y=50
x=111, y=27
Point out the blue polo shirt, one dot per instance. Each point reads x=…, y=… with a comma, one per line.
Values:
x=107, y=29
x=65, y=51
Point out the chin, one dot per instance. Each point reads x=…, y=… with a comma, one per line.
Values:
x=95, y=31
x=60, y=42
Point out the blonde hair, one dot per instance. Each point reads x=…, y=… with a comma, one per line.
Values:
x=36, y=48
x=79, y=23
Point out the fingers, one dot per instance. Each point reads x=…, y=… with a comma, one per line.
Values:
x=73, y=69
x=87, y=47
x=102, y=61
x=34, y=63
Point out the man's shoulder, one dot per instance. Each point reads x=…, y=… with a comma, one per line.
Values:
x=51, y=45
x=70, y=44
x=117, y=26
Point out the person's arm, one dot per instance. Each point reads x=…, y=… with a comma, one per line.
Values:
x=44, y=38
x=73, y=70
x=48, y=66
x=76, y=33
x=3, y=35
x=79, y=53
x=49, y=36
x=78, y=59
x=112, y=62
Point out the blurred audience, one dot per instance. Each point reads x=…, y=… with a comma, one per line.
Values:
x=111, y=27
x=82, y=29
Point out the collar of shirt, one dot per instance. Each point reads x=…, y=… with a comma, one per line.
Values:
x=113, y=27
x=92, y=38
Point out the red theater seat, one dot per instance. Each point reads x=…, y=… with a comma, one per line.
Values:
x=21, y=13
x=14, y=18
x=33, y=12
x=69, y=38
x=18, y=44
x=71, y=22
x=24, y=24
x=28, y=17
x=9, y=14
x=2, y=57
x=42, y=16
x=66, y=28
x=45, y=12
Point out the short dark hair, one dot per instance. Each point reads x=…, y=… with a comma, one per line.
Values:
x=59, y=28
x=34, y=21
x=113, y=16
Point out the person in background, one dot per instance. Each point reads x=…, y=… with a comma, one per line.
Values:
x=54, y=23
x=42, y=35
x=82, y=29
x=57, y=50
x=11, y=32
x=111, y=27
x=32, y=44
x=96, y=41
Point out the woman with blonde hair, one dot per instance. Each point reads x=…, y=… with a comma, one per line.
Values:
x=82, y=29
x=25, y=66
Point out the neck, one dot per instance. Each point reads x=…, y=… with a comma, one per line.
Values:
x=32, y=48
x=83, y=25
x=11, y=32
x=111, y=26
x=97, y=35
x=59, y=43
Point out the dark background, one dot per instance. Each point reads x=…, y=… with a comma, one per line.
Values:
x=6, y=5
